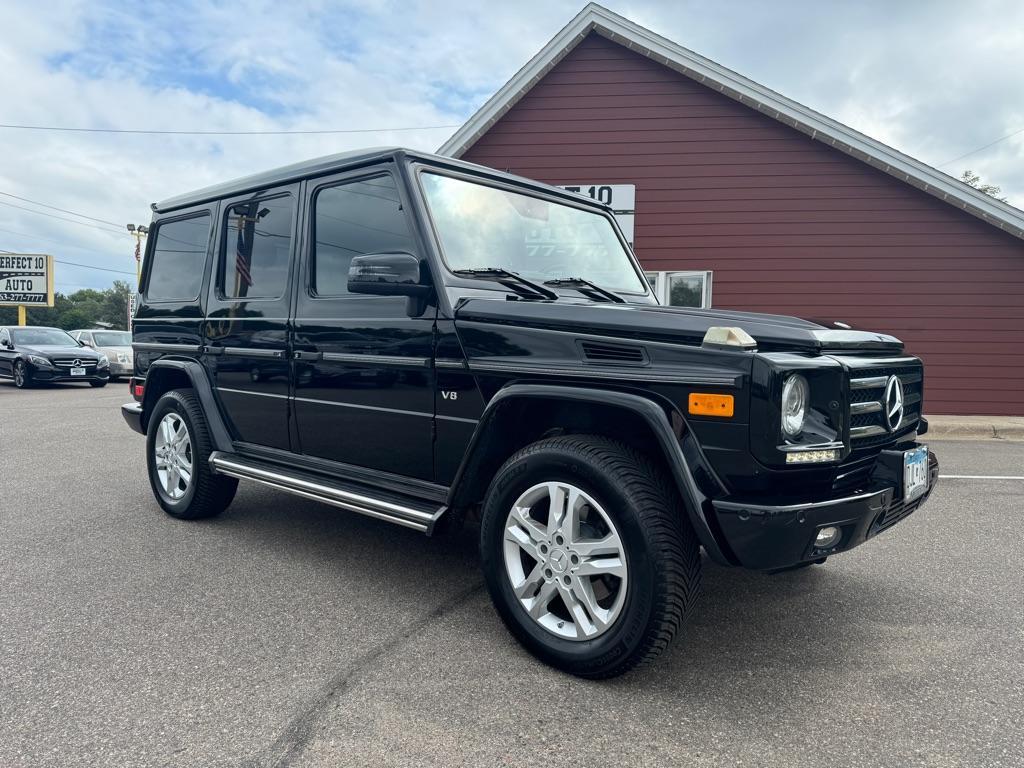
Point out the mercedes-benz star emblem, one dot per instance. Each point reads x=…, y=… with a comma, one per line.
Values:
x=78, y=363
x=893, y=403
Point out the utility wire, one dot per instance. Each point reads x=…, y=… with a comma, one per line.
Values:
x=975, y=151
x=83, y=266
x=224, y=133
x=64, y=218
x=62, y=210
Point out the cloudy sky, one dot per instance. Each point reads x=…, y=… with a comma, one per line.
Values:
x=936, y=79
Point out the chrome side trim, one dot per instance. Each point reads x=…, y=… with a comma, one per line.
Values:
x=354, y=502
x=454, y=363
x=482, y=366
x=402, y=362
x=250, y=392
x=248, y=352
x=361, y=407
x=153, y=346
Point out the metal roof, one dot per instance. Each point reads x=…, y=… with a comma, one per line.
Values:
x=350, y=161
x=276, y=176
x=595, y=18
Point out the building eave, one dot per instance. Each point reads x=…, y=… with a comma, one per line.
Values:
x=597, y=19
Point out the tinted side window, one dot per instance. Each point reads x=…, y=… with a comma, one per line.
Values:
x=179, y=259
x=349, y=220
x=257, y=246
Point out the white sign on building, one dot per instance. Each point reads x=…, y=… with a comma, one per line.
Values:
x=26, y=279
x=621, y=198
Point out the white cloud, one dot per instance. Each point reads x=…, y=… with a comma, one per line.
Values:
x=934, y=80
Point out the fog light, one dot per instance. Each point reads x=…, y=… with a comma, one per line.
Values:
x=812, y=457
x=827, y=537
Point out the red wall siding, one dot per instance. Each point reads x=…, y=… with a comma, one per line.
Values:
x=787, y=224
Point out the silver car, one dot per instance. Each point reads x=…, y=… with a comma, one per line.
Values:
x=116, y=345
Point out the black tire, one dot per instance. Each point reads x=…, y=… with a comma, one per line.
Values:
x=208, y=494
x=22, y=376
x=97, y=384
x=661, y=549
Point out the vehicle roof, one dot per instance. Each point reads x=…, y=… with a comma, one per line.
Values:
x=320, y=166
x=33, y=328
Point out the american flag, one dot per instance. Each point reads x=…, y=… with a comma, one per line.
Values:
x=242, y=256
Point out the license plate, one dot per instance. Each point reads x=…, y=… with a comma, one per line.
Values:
x=78, y=371
x=915, y=473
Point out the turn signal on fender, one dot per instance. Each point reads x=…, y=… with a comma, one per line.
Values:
x=702, y=404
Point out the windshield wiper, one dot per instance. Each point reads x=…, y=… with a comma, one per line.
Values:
x=579, y=282
x=505, y=277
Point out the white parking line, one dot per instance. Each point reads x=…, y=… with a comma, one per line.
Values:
x=981, y=477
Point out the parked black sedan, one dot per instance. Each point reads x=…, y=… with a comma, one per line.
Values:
x=33, y=354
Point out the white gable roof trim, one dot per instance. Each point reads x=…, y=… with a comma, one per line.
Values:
x=596, y=18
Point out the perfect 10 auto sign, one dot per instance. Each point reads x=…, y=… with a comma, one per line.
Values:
x=620, y=197
x=26, y=279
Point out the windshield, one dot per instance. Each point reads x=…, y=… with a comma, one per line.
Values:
x=484, y=227
x=42, y=337
x=112, y=338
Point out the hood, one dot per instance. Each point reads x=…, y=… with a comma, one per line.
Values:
x=48, y=350
x=773, y=333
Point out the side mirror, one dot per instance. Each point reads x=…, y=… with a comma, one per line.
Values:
x=388, y=274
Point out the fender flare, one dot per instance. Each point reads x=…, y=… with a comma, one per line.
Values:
x=671, y=441
x=200, y=379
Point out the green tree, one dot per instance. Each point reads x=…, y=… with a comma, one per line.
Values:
x=81, y=309
x=972, y=179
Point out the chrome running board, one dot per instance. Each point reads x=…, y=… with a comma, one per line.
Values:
x=366, y=501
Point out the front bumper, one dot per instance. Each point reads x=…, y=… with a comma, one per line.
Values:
x=50, y=374
x=766, y=537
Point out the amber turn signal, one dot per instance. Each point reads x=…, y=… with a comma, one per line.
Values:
x=702, y=404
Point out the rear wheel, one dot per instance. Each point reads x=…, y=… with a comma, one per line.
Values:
x=22, y=378
x=178, y=448
x=587, y=554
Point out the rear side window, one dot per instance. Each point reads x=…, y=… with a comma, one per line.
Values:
x=179, y=259
x=257, y=249
x=349, y=220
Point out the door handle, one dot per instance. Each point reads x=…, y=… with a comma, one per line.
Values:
x=213, y=350
x=312, y=356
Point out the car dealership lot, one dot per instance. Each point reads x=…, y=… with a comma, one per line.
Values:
x=291, y=633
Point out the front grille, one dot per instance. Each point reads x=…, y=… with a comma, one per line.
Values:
x=895, y=513
x=868, y=425
x=69, y=362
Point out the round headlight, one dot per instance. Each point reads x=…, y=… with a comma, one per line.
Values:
x=795, y=394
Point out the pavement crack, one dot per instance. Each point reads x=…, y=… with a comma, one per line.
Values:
x=301, y=728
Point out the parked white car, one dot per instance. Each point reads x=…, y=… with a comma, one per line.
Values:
x=116, y=345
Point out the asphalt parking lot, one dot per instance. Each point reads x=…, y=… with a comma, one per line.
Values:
x=290, y=633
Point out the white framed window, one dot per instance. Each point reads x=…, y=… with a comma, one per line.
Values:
x=682, y=289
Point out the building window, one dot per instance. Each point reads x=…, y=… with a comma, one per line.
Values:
x=681, y=289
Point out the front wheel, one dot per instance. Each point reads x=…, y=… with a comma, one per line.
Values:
x=178, y=448
x=22, y=378
x=588, y=555
x=97, y=384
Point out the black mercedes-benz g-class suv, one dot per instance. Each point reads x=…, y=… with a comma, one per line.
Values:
x=416, y=338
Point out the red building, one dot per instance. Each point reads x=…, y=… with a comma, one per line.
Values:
x=747, y=200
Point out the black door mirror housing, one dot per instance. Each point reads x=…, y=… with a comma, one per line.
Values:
x=388, y=274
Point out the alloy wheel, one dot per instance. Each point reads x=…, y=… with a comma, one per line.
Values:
x=19, y=374
x=173, y=449
x=565, y=561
